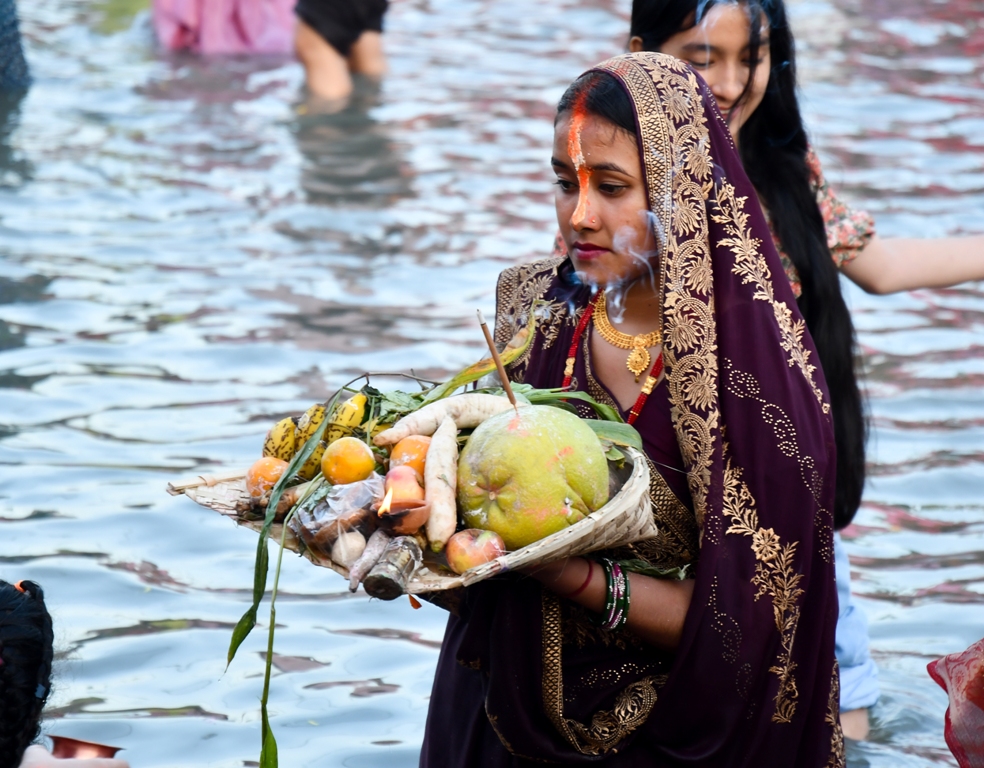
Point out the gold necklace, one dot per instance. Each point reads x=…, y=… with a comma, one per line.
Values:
x=638, y=360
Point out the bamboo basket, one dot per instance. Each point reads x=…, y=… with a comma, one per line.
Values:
x=626, y=518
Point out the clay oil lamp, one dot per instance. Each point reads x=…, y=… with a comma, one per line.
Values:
x=64, y=747
x=403, y=510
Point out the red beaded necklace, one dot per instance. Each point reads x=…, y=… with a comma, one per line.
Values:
x=647, y=388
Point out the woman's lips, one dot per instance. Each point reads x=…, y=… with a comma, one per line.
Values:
x=589, y=251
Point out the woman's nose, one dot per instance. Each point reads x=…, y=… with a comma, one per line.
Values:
x=583, y=217
x=728, y=85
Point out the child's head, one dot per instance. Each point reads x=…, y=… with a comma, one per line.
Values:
x=26, y=647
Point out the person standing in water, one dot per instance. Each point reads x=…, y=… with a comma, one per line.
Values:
x=336, y=39
x=594, y=660
x=750, y=68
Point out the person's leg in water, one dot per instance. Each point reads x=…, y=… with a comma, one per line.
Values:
x=326, y=70
x=337, y=39
x=858, y=673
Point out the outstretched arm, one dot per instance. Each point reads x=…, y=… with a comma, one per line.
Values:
x=658, y=607
x=897, y=264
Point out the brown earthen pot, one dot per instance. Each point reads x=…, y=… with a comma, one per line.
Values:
x=62, y=746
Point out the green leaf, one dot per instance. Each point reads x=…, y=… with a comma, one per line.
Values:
x=260, y=571
x=557, y=397
x=400, y=401
x=613, y=454
x=514, y=349
x=262, y=564
x=620, y=434
x=268, y=750
x=243, y=628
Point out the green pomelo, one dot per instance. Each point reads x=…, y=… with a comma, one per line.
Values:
x=529, y=475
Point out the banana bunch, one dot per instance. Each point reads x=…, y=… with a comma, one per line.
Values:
x=289, y=435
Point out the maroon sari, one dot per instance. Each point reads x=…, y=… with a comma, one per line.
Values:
x=742, y=457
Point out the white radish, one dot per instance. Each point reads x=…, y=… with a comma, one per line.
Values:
x=468, y=410
x=441, y=482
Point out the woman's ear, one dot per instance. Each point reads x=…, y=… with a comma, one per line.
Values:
x=635, y=44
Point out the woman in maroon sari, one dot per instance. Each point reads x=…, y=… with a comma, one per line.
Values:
x=671, y=265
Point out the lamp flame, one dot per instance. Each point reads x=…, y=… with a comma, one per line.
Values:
x=384, y=508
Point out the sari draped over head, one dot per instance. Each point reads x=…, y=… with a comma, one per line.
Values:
x=741, y=449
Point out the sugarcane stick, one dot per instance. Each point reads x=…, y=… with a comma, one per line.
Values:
x=388, y=578
x=498, y=362
x=374, y=550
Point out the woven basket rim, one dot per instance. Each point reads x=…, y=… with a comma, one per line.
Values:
x=625, y=518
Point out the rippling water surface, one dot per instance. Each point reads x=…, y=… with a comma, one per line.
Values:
x=189, y=251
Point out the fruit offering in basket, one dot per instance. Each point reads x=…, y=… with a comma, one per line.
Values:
x=382, y=495
x=369, y=484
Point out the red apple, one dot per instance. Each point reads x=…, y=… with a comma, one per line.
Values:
x=472, y=547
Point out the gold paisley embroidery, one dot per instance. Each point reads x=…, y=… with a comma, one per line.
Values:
x=671, y=115
x=520, y=289
x=751, y=266
x=607, y=728
x=776, y=576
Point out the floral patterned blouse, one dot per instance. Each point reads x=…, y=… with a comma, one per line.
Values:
x=848, y=230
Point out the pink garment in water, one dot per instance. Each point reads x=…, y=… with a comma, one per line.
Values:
x=225, y=26
x=961, y=675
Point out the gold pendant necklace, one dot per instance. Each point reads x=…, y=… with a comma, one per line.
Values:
x=638, y=360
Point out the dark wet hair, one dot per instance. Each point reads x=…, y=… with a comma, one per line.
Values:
x=26, y=649
x=773, y=147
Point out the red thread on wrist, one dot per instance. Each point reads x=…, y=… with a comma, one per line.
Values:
x=587, y=581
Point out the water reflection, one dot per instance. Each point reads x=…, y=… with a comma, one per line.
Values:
x=12, y=336
x=185, y=258
x=350, y=158
x=15, y=169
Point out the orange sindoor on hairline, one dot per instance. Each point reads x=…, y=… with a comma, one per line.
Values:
x=578, y=114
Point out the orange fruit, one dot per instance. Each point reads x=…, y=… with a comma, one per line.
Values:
x=411, y=451
x=263, y=475
x=347, y=460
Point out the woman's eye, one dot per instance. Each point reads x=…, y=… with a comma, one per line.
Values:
x=698, y=64
x=611, y=189
x=565, y=186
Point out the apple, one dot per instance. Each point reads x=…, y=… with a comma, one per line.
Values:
x=472, y=547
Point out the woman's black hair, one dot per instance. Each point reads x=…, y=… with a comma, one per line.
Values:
x=26, y=649
x=604, y=97
x=773, y=147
